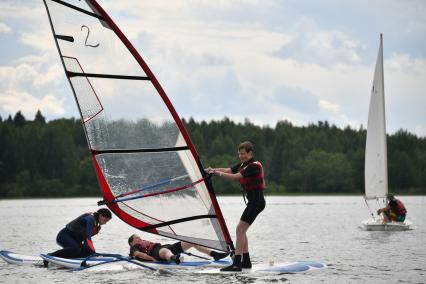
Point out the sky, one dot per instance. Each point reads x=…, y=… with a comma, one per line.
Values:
x=263, y=60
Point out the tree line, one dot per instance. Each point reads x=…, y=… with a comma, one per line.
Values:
x=51, y=159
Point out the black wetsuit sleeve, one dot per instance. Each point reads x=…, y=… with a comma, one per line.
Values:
x=235, y=168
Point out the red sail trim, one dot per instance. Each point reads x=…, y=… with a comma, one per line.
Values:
x=169, y=105
x=91, y=87
x=132, y=221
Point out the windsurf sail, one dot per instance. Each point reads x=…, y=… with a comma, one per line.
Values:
x=148, y=169
x=376, y=166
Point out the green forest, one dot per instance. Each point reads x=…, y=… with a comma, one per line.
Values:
x=51, y=159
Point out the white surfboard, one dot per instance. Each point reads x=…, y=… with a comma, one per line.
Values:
x=75, y=262
x=20, y=259
x=283, y=267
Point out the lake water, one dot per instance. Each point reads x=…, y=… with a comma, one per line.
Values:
x=323, y=228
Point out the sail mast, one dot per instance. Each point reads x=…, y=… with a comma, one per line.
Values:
x=385, y=157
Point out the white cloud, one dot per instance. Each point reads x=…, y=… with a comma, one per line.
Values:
x=404, y=63
x=310, y=44
x=41, y=40
x=4, y=28
x=25, y=76
x=405, y=87
x=30, y=85
x=29, y=19
x=420, y=129
x=334, y=108
x=49, y=105
x=28, y=12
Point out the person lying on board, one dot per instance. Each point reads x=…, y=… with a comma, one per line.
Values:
x=394, y=211
x=251, y=177
x=76, y=238
x=146, y=250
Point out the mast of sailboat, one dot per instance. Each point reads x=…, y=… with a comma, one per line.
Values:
x=376, y=178
x=384, y=110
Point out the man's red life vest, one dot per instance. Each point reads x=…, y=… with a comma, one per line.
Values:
x=96, y=230
x=252, y=183
x=399, y=209
x=145, y=246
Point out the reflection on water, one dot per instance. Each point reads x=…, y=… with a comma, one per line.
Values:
x=324, y=228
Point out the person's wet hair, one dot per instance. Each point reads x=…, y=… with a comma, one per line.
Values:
x=131, y=239
x=104, y=212
x=246, y=145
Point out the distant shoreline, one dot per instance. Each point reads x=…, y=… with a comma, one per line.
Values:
x=221, y=195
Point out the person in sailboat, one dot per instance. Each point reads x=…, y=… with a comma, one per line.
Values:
x=76, y=238
x=251, y=177
x=146, y=250
x=394, y=211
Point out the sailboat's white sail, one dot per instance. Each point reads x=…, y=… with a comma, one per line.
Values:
x=376, y=166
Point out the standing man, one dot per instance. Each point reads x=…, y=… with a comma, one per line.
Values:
x=250, y=175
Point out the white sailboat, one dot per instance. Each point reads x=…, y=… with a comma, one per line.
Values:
x=376, y=165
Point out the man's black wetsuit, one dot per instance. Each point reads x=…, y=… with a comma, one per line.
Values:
x=253, y=184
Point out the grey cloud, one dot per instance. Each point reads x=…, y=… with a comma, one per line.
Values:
x=296, y=99
x=218, y=94
x=325, y=48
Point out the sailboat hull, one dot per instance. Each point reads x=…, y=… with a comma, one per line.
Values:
x=379, y=225
x=376, y=164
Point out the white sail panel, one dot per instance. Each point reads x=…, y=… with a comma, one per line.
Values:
x=147, y=167
x=376, y=171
